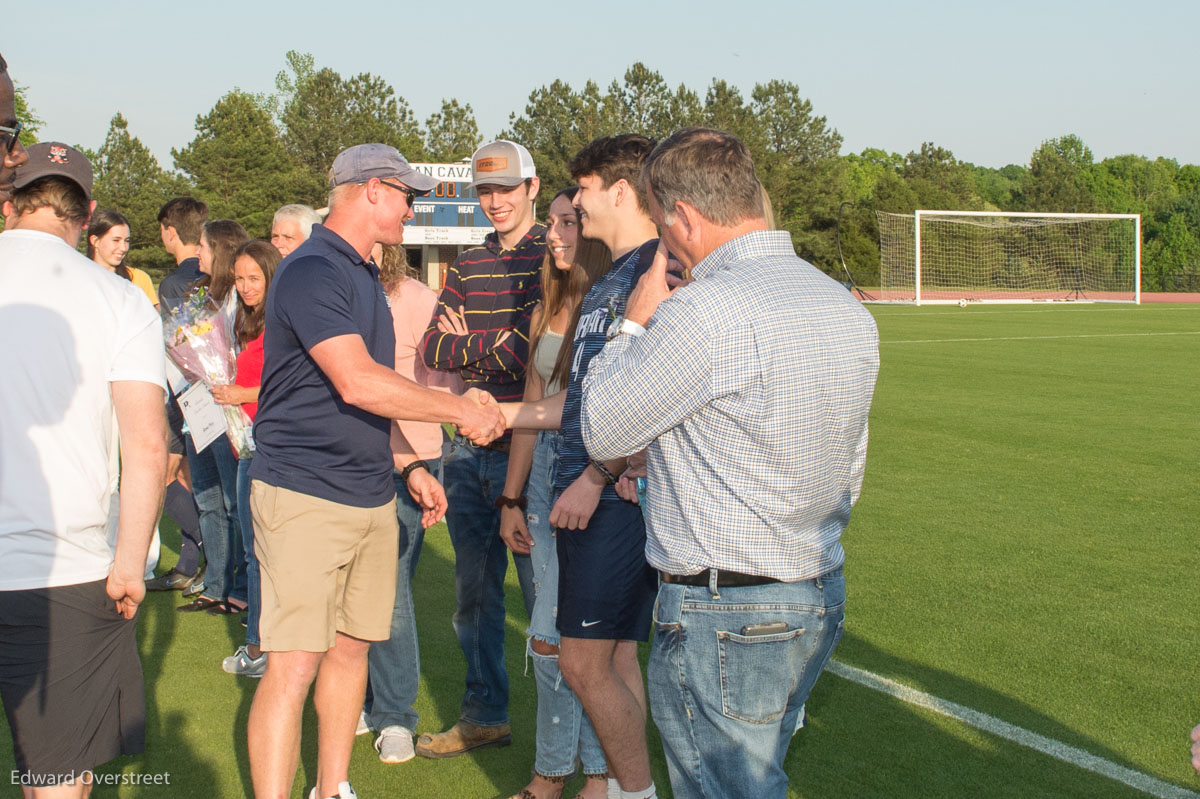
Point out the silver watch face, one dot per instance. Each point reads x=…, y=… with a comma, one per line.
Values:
x=614, y=329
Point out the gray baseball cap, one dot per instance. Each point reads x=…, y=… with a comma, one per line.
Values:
x=501, y=163
x=360, y=163
x=55, y=158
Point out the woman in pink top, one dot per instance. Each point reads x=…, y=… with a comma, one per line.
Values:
x=394, y=665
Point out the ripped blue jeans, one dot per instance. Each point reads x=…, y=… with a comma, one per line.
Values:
x=563, y=729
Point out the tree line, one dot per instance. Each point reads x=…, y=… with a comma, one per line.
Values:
x=254, y=152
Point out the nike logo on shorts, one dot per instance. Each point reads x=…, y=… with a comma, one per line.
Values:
x=590, y=623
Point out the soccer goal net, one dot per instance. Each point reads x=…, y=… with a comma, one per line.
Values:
x=985, y=256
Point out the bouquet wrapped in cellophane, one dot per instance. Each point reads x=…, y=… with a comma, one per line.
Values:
x=200, y=340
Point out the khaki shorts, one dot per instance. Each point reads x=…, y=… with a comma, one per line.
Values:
x=326, y=568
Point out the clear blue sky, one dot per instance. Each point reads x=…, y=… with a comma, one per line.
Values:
x=987, y=81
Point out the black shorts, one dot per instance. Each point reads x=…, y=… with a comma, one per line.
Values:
x=70, y=680
x=606, y=589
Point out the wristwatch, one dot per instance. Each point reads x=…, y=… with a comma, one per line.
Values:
x=623, y=325
x=609, y=477
x=410, y=468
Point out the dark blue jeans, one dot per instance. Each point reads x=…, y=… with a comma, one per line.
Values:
x=395, y=664
x=214, y=486
x=253, y=583
x=474, y=479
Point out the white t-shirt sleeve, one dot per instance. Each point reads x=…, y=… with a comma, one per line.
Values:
x=140, y=352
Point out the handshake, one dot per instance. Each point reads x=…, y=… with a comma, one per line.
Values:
x=480, y=420
x=483, y=419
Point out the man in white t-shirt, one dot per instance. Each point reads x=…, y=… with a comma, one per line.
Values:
x=83, y=351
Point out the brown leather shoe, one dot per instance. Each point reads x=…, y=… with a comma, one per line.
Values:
x=463, y=737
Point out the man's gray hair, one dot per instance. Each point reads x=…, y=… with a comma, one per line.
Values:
x=707, y=169
x=302, y=214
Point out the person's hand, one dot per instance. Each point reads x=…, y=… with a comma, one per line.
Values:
x=483, y=422
x=227, y=395
x=1196, y=747
x=514, y=531
x=654, y=287
x=676, y=274
x=626, y=486
x=126, y=591
x=174, y=469
x=427, y=492
x=185, y=473
x=576, y=505
x=454, y=322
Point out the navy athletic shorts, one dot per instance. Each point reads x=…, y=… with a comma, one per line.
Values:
x=606, y=589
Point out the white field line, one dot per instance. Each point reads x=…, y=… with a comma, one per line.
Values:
x=1039, y=338
x=949, y=311
x=1010, y=732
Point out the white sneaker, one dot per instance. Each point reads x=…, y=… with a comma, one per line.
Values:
x=241, y=663
x=395, y=744
x=344, y=792
x=363, y=727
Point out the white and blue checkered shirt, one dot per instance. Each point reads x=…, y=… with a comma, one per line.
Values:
x=751, y=389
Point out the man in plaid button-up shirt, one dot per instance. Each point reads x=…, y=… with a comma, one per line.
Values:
x=750, y=389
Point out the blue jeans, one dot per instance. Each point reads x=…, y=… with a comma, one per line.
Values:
x=395, y=664
x=474, y=479
x=726, y=703
x=543, y=557
x=214, y=487
x=563, y=729
x=253, y=581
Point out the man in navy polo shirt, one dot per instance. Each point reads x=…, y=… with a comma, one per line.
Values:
x=322, y=494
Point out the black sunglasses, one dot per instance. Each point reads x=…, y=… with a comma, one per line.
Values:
x=409, y=194
x=12, y=134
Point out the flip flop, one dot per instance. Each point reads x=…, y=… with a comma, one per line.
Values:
x=224, y=608
x=199, y=603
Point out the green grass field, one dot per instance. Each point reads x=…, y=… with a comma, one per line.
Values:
x=1021, y=547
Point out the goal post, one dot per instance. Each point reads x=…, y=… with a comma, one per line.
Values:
x=933, y=256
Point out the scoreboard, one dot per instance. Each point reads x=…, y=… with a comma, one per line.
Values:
x=450, y=213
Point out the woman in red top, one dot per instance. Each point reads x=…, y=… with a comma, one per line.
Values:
x=253, y=267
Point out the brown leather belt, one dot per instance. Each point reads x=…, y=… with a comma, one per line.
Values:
x=724, y=579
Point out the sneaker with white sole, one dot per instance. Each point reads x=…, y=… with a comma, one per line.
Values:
x=344, y=792
x=395, y=744
x=242, y=664
x=363, y=727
